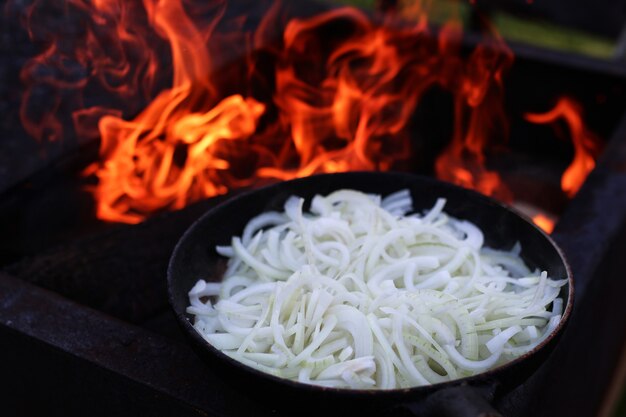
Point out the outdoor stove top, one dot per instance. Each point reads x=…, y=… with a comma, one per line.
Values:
x=85, y=325
x=124, y=355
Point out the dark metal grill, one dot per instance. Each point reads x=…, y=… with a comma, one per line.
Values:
x=84, y=321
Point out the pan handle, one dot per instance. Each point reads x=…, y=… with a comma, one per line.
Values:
x=457, y=401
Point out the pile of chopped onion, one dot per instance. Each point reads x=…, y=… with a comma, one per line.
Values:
x=360, y=294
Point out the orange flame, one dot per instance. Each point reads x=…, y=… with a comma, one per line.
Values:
x=140, y=173
x=586, y=143
x=354, y=104
x=479, y=107
x=100, y=55
x=543, y=221
x=330, y=104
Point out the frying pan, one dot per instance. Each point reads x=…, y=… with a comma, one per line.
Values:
x=195, y=257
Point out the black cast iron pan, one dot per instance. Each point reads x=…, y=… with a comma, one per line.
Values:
x=194, y=257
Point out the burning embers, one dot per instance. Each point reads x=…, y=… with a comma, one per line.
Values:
x=336, y=92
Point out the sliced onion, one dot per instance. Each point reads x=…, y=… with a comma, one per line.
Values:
x=359, y=293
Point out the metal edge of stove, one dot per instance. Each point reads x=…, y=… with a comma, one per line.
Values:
x=98, y=364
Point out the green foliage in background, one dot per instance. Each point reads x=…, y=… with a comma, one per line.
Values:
x=551, y=36
x=364, y=4
x=513, y=28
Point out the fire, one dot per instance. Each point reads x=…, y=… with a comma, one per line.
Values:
x=139, y=173
x=586, y=143
x=478, y=105
x=337, y=104
x=337, y=92
x=97, y=53
x=545, y=222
